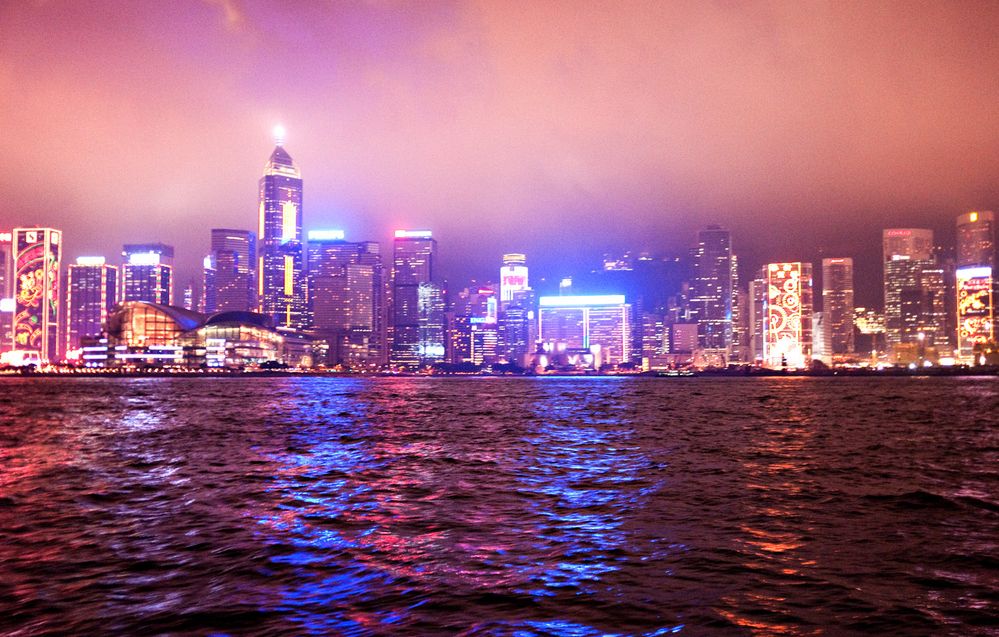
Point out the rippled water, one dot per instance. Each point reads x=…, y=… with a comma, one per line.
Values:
x=588, y=506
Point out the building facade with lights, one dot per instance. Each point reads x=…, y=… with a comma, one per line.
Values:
x=91, y=294
x=347, y=298
x=599, y=324
x=975, y=284
x=147, y=273
x=787, y=341
x=280, y=262
x=417, y=318
x=234, y=255
x=837, y=306
x=37, y=267
x=6, y=291
x=914, y=289
x=711, y=291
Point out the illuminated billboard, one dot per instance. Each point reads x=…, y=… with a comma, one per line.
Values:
x=36, y=290
x=513, y=279
x=787, y=340
x=974, y=308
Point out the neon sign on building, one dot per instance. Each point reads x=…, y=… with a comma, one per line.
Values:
x=974, y=308
x=788, y=339
x=36, y=290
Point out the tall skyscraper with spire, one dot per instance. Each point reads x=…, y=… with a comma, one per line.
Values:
x=280, y=280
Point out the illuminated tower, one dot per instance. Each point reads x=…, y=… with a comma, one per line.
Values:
x=711, y=288
x=147, y=273
x=837, y=305
x=208, y=289
x=280, y=280
x=37, y=259
x=6, y=290
x=787, y=338
x=417, y=330
x=975, y=278
x=91, y=293
x=234, y=253
x=513, y=276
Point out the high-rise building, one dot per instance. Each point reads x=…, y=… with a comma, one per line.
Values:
x=147, y=273
x=517, y=332
x=975, y=282
x=209, y=291
x=234, y=253
x=346, y=297
x=6, y=290
x=280, y=263
x=915, y=289
x=415, y=299
x=91, y=294
x=474, y=329
x=37, y=264
x=756, y=321
x=711, y=289
x=513, y=276
x=788, y=328
x=599, y=323
x=837, y=306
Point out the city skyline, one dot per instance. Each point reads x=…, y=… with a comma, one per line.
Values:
x=803, y=141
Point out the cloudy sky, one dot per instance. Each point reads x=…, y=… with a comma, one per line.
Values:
x=560, y=129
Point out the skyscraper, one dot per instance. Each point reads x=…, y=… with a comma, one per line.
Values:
x=513, y=276
x=711, y=288
x=975, y=282
x=234, y=253
x=37, y=259
x=415, y=298
x=788, y=328
x=474, y=329
x=147, y=273
x=91, y=293
x=837, y=305
x=757, y=304
x=599, y=323
x=6, y=290
x=914, y=289
x=281, y=284
x=346, y=297
x=209, y=291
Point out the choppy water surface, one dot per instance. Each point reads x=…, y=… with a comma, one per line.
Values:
x=576, y=507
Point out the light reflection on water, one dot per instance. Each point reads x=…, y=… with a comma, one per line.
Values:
x=497, y=506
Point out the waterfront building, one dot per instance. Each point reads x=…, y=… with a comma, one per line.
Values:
x=346, y=298
x=209, y=291
x=513, y=276
x=711, y=290
x=787, y=339
x=280, y=263
x=474, y=333
x=975, y=283
x=147, y=273
x=417, y=325
x=234, y=255
x=91, y=294
x=837, y=306
x=914, y=289
x=517, y=327
x=6, y=290
x=37, y=266
x=757, y=305
x=600, y=324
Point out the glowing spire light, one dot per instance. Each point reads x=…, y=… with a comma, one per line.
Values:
x=279, y=135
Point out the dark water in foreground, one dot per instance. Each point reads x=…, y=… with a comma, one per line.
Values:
x=573, y=507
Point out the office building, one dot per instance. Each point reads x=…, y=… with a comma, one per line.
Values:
x=417, y=301
x=711, y=290
x=600, y=324
x=976, y=239
x=280, y=262
x=787, y=341
x=234, y=255
x=513, y=276
x=147, y=273
x=837, y=306
x=38, y=261
x=914, y=288
x=474, y=328
x=346, y=298
x=975, y=283
x=208, y=289
x=91, y=294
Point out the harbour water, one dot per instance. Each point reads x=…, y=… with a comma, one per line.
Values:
x=493, y=506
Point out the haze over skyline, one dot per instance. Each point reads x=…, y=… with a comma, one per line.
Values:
x=558, y=131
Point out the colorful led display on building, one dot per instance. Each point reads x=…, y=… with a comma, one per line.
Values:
x=787, y=341
x=36, y=290
x=974, y=308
